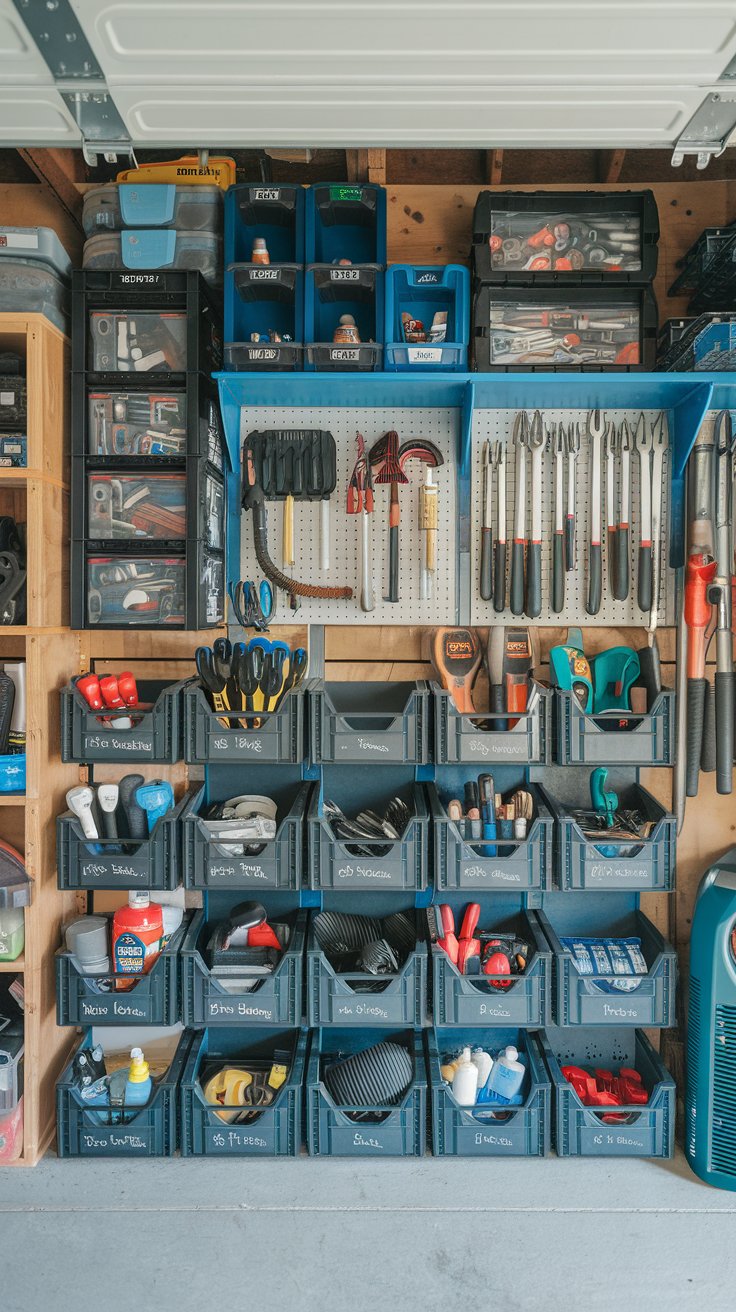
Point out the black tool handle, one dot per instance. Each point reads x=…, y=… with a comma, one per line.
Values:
x=498, y=704
x=645, y=578
x=569, y=542
x=650, y=672
x=695, y=713
x=393, y=564
x=708, y=744
x=534, y=580
x=558, y=573
x=499, y=577
x=135, y=816
x=612, y=561
x=486, y=564
x=594, y=579
x=621, y=565
x=517, y=578
x=724, y=700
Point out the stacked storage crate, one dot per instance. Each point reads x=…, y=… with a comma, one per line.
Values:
x=148, y=225
x=35, y=274
x=344, y=288
x=264, y=277
x=706, y=339
x=427, y=317
x=148, y=456
x=563, y=281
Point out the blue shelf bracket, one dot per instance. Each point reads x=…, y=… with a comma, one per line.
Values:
x=687, y=417
x=463, y=580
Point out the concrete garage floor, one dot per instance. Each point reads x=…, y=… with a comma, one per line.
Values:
x=348, y=1236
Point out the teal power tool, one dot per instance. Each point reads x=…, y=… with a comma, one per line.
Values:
x=605, y=803
x=571, y=669
x=155, y=799
x=614, y=673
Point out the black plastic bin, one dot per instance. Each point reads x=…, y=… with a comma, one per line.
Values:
x=150, y=1132
x=279, y=738
x=331, y=865
x=461, y=863
x=580, y=1131
x=86, y=737
x=130, y=424
x=458, y=1131
x=482, y=739
x=355, y=998
x=276, y=1131
x=146, y=587
x=277, y=1000
x=382, y=722
x=150, y=863
x=278, y=865
x=608, y=1000
x=331, y=292
x=614, y=737
x=472, y=1000
x=332, y=1132
x=93, y=999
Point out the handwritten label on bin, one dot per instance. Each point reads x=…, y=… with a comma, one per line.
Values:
x=223, y=870
x=510, y=746
x=424, y=354
x=236, y=1141
x=349, y=354
x=95, y=871
x=112, y=1009
x=115, y=1141
x=239, y=1009
x=238, y=743
x=604, y=872
x=95, y=742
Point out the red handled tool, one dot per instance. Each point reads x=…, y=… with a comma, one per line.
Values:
x=468, y=946
x=128, y=689
x=699, y=575
x=110, y=692
x=448, y=942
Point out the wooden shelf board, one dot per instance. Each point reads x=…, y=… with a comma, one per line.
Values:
x=17, y=966
x=12, y=799
x=19, y=476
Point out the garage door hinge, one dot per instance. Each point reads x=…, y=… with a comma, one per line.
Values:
x=709, y=130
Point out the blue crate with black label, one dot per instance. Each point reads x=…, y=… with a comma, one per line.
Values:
x=629, y=982
x=228, y=853
x=262, y=1101
x=150, y=999
x=154, y=734
x=622, y=1130
x=345, y=221
x=274, y=737
x=427, y=317
x=376, y=1106
x=382, y=722
x=272, y=213
x=344, y=317
x=148, y=1131
x=490, y=740
x=154, y=862
x=264, y=316
x=339, y=857
x=503, y=977
x=485, y=1129
x=232, y=976
x=367, y=964
x=521, y=860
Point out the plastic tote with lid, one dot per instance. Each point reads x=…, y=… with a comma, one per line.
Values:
x=34, y=274
x=15, y=894
x=156, y=248
x=151, y=205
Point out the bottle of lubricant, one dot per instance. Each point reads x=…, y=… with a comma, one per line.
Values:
x=137, y=931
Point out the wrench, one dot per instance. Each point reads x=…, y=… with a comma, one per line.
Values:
x=644, y=446
x=534, y=559
x=596, y=430
x=518, y=546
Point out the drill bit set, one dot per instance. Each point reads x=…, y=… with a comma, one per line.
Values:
x=554, y=485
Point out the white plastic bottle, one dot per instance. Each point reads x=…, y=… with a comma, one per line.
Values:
x=465, y=1081
x=507, y=1076
x=483, y=1062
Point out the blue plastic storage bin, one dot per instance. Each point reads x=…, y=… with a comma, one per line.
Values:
x=151, y=1132
x=154, y=999
x=471, y=1000
x=600, y=1000
x=13, y=773
x=580, y=1131
x=484, y=740
x=280, y=736
x=276, y=1131
x=331, y=865
x=586, y=739
x=273, y=212
x=89, y=737
x=331, y=292
x=346, y=221
x=277, y=866
x=523, y=1131
x=583, y=865
x=277, y=1000
x=507, y=864
x=331, y=1131
x=261, y=298
x=381, y=722
x=154, y=862
x=422, y=291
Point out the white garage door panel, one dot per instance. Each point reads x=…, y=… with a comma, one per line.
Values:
x=265, y=41
x=35, y=117
x=19, y=58
x=346, y=115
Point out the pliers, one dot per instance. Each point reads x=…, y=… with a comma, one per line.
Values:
x=253, y=610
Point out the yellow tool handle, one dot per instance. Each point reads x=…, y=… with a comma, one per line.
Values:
x=288, y=548
x=428, y=520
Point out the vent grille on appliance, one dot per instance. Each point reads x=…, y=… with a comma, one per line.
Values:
x=724, y=1092
x=693, y=1048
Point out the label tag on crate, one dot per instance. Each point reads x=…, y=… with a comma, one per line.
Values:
x=424, y=354
x=344, y=275
x=349, y=353
x=135, y=280
x=346, y=193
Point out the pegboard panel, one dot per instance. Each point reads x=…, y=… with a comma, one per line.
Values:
x=439, y=426
x=497, y=425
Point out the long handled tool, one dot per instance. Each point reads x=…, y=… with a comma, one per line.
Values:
x=360, y=502
x=534, y=558
x=428, y=524
x=719, y=595
x=486, y=539
x=518, y=546
x=609, y=453
x=558, y=537
x=644, y=445
x=621, y=572
x=596, y=429
x=384, y=454
x=660, y=440
x=700, y=574
x=499, y=557
x=573, y=450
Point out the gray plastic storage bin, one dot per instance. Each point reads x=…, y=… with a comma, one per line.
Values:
x=137, y=249
x=524, y=1131
x=11, y=1067
x=579, y=1131
x=279, y=737
x=332, y=866
x=579, y=863
x=331, y=1131
x=278, y=865
x=151, y=1132
x=598, y=1000
x=475, y=739
x=93, y=1000
x=583, y=739
x=277, y=1130
x=343, y=999
x=85, y=736
x=277, y=1000
x=27, y=287
x=458, y=864
x=384, y=723
x=115, y=206
x=153, y=862
x=467, y=1000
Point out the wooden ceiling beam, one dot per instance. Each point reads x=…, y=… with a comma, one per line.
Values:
x=58, y=171
x=610, y=164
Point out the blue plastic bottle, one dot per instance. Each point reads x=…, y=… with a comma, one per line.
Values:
x=139, y=1085
x=506, y=1078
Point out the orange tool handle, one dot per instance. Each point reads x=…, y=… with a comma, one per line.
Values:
x=700, y=572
